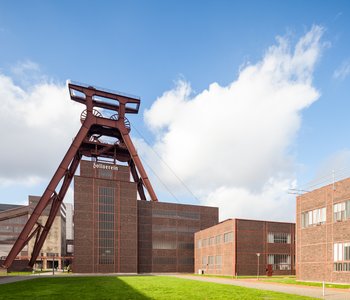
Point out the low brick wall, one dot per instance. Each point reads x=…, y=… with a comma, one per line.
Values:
x=17, y=265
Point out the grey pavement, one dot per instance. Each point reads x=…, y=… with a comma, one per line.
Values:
x=316, y=292
x=10, y=279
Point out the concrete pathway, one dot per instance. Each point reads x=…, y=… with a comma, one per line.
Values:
x=316, y=292
x=10, y=279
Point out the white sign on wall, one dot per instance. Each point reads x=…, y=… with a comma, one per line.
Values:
x=105, y=167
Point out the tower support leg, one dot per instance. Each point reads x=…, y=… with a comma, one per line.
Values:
x=49, y=195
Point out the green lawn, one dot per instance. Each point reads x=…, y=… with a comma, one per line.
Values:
x=283, y=279
x=292, y=280
x=24, y=273
x=130, y=287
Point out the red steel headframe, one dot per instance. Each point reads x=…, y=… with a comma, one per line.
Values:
x=87, y=143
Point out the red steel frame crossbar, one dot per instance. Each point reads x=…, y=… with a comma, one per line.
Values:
x=92, y=124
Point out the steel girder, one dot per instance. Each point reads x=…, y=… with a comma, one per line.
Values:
x=86, y=143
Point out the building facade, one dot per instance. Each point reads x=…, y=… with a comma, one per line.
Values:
x=12, y=220
x=323, y=233
x=69, y=229
x=246, y=247
x=115, y=232
x=166, y=235
x=54, y=248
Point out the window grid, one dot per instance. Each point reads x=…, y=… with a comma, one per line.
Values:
x=341, y=211
x=341, y=257
x=279, y=238
x=106, y=222
x=279, y=261
x=313, y=217
x=228, y=237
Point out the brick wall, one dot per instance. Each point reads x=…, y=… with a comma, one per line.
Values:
x=315, y=243
x=166, y=235
x=239, y=255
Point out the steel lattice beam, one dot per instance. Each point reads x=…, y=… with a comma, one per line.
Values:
x=86, y=143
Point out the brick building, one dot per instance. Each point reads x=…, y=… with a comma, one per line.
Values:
x=231, y=248
x=323, y=233
x=54, y=249
x=115, y=232
x=12, y=220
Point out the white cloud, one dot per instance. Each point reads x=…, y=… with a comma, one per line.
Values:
x=27, y=73
x=342, y=71
x=231, y=144
x=38, y=125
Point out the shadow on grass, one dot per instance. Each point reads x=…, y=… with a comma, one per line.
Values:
x=71, y=288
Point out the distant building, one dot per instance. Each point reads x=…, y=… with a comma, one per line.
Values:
x=323, y=233
x=54, y=248
x=246, y=247
x=69, y=229
x=115, y=232
x=12, y=220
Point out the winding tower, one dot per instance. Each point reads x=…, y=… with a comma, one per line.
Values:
x=99, y=137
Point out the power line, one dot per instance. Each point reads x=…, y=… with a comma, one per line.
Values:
x=335, y=175
x=161, y=159
x=164, y=185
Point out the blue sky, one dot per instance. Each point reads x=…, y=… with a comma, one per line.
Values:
x=154, y=49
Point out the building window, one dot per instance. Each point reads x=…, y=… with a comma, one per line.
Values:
x=279, y=238
x=211, y=262
x=185, y=215
x=341, y=256
x=228, y=237
x=279, y=261
x=218, y=239
x=106, y=225
x=218, y=261
x=163, y=244
x=104, y=173
x=204, y=242
x=199, y=243
x=211, y=240
x=341, y=211
x=313, y=217
x=204, y=262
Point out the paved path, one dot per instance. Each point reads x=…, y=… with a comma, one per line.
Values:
x=10, y=279
x=316, y=292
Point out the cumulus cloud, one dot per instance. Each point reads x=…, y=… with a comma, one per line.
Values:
x=342, y=71
x=38, y=125
x=231, y=144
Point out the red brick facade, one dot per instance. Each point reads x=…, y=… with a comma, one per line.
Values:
x=114, y=232
x=166, y=235
x=231, y=248
x=320, y=237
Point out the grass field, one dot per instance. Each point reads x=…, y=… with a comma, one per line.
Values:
x=285, y=280
x=130, y=287
x=291, y=280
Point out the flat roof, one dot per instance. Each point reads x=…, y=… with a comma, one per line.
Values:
x=4, y=207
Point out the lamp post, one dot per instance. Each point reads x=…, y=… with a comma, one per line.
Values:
x=258, y=255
